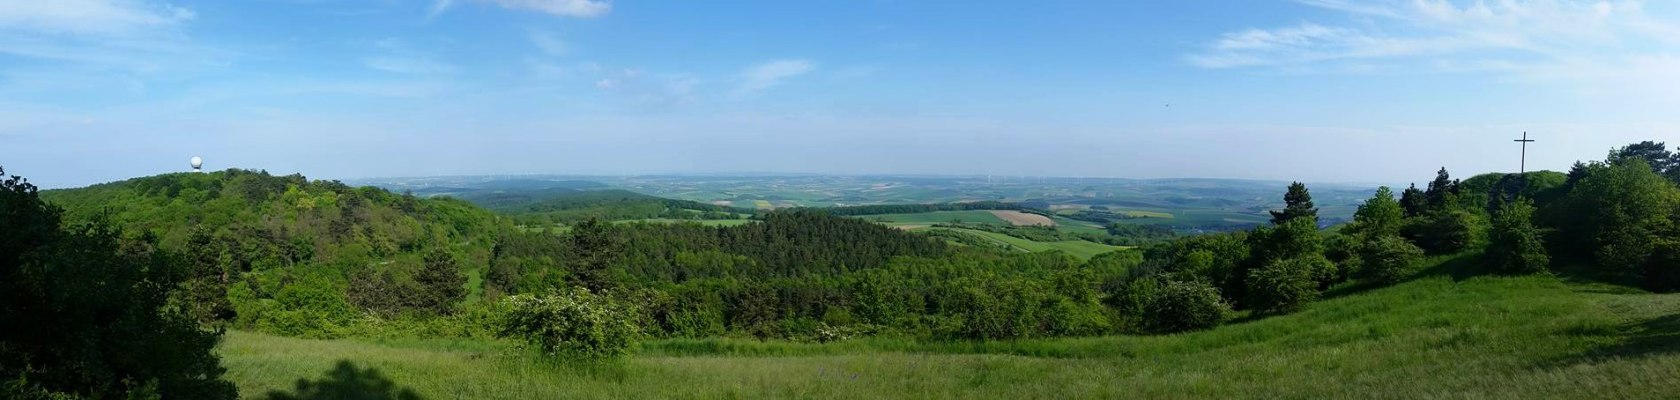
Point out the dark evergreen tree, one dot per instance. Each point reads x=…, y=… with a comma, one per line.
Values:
x=1297, y=204
x=1413, y=201
x=1439, y=197
x=441, y=283
x=594, y=246
x=1655, y=154
x=205, y=289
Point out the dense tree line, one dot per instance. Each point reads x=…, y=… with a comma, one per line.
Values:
x=1618, y=219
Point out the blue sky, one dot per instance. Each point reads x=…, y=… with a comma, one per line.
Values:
x=1316, y=90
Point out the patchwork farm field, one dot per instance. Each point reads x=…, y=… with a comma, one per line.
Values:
x=1186, y=205
x=1084, y=250
x=1442, y=335
x=938, y=217
x=1018, y=218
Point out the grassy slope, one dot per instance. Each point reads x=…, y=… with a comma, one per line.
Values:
x=1078, y=248
x=1439, y=336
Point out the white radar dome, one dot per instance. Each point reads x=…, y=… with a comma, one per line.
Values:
x=197, y=163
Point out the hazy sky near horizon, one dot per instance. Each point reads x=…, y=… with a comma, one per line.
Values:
x=1316, y=90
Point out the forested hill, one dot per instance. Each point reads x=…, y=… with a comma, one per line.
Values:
x=568, y=206
x=251, y=236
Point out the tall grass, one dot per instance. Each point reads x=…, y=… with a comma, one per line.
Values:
x=1444, y=335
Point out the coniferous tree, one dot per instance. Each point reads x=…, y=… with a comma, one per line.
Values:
x=1441, y=190
x=1297, y=204
x=594, y=248
x=1655, y=154
x=1413, y=201
x=441, y=282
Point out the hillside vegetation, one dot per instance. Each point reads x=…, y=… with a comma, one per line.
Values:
x=287, y=255
x=1445, y=334
x=568, y=206
x=1449, y=289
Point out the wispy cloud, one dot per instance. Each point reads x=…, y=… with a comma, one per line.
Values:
x=108, y=41
x=90, y=17
x=438, y=7
x=1449, y=35
x=769, y=74
x=547, y=41
x=396, y=56
x=405, y=65
x=563, y=8
x=648, y=89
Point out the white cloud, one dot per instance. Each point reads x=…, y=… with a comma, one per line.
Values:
x=90, y=17
x=563, y=8
x=126, y=41
x=1441, y=33
x=769, y=74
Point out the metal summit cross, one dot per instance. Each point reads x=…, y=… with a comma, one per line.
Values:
x=1525, y=141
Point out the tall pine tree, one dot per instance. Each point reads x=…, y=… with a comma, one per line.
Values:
x=441, y=282
x=1413, y=201
x=594, y=247
x=1297, y=204
x=1441, y=191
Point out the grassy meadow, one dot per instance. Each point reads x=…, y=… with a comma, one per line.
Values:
x=1445, y=334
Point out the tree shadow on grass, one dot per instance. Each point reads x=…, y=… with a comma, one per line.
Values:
x=1460, y=267
x=1655, y=337
x=346, y=382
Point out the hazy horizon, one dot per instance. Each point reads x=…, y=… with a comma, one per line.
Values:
x=1311, y=90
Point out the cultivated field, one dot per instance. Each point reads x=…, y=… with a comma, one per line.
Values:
x=1018, y=218
x=1084, y=250
x=1440, y=336
x=938, y=217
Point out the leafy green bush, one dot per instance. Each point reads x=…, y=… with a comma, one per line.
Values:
x=1185, y=306
x=576, y=324
x=1285, y=285
x=1447, y=232
x=1514, y=244
x=1388, y=259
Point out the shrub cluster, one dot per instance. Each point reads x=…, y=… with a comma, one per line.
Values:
x=573, y=324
